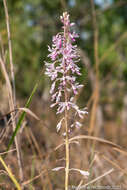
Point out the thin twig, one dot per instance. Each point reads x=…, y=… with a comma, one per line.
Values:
x=10, y=49
x=6, y=152
x=99, y=177
x=34, y=178
x=96, y=60
x=12, y=91
x=13, y=116
x=96, y=87
x=103, y=141
x=114, y=164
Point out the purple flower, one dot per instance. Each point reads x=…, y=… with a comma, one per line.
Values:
x=63, y=69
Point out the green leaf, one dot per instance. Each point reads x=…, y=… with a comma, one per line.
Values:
x=19, y=123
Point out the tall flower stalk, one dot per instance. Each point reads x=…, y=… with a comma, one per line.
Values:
x=63, y=70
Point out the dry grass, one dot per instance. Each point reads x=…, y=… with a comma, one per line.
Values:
x=40, y=156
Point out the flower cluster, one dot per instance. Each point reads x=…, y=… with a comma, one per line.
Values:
x=63, y=70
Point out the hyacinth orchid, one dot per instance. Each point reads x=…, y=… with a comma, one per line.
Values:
x=63, y=69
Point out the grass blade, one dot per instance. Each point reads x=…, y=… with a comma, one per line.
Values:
x=23, y=114
x=10, y=174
